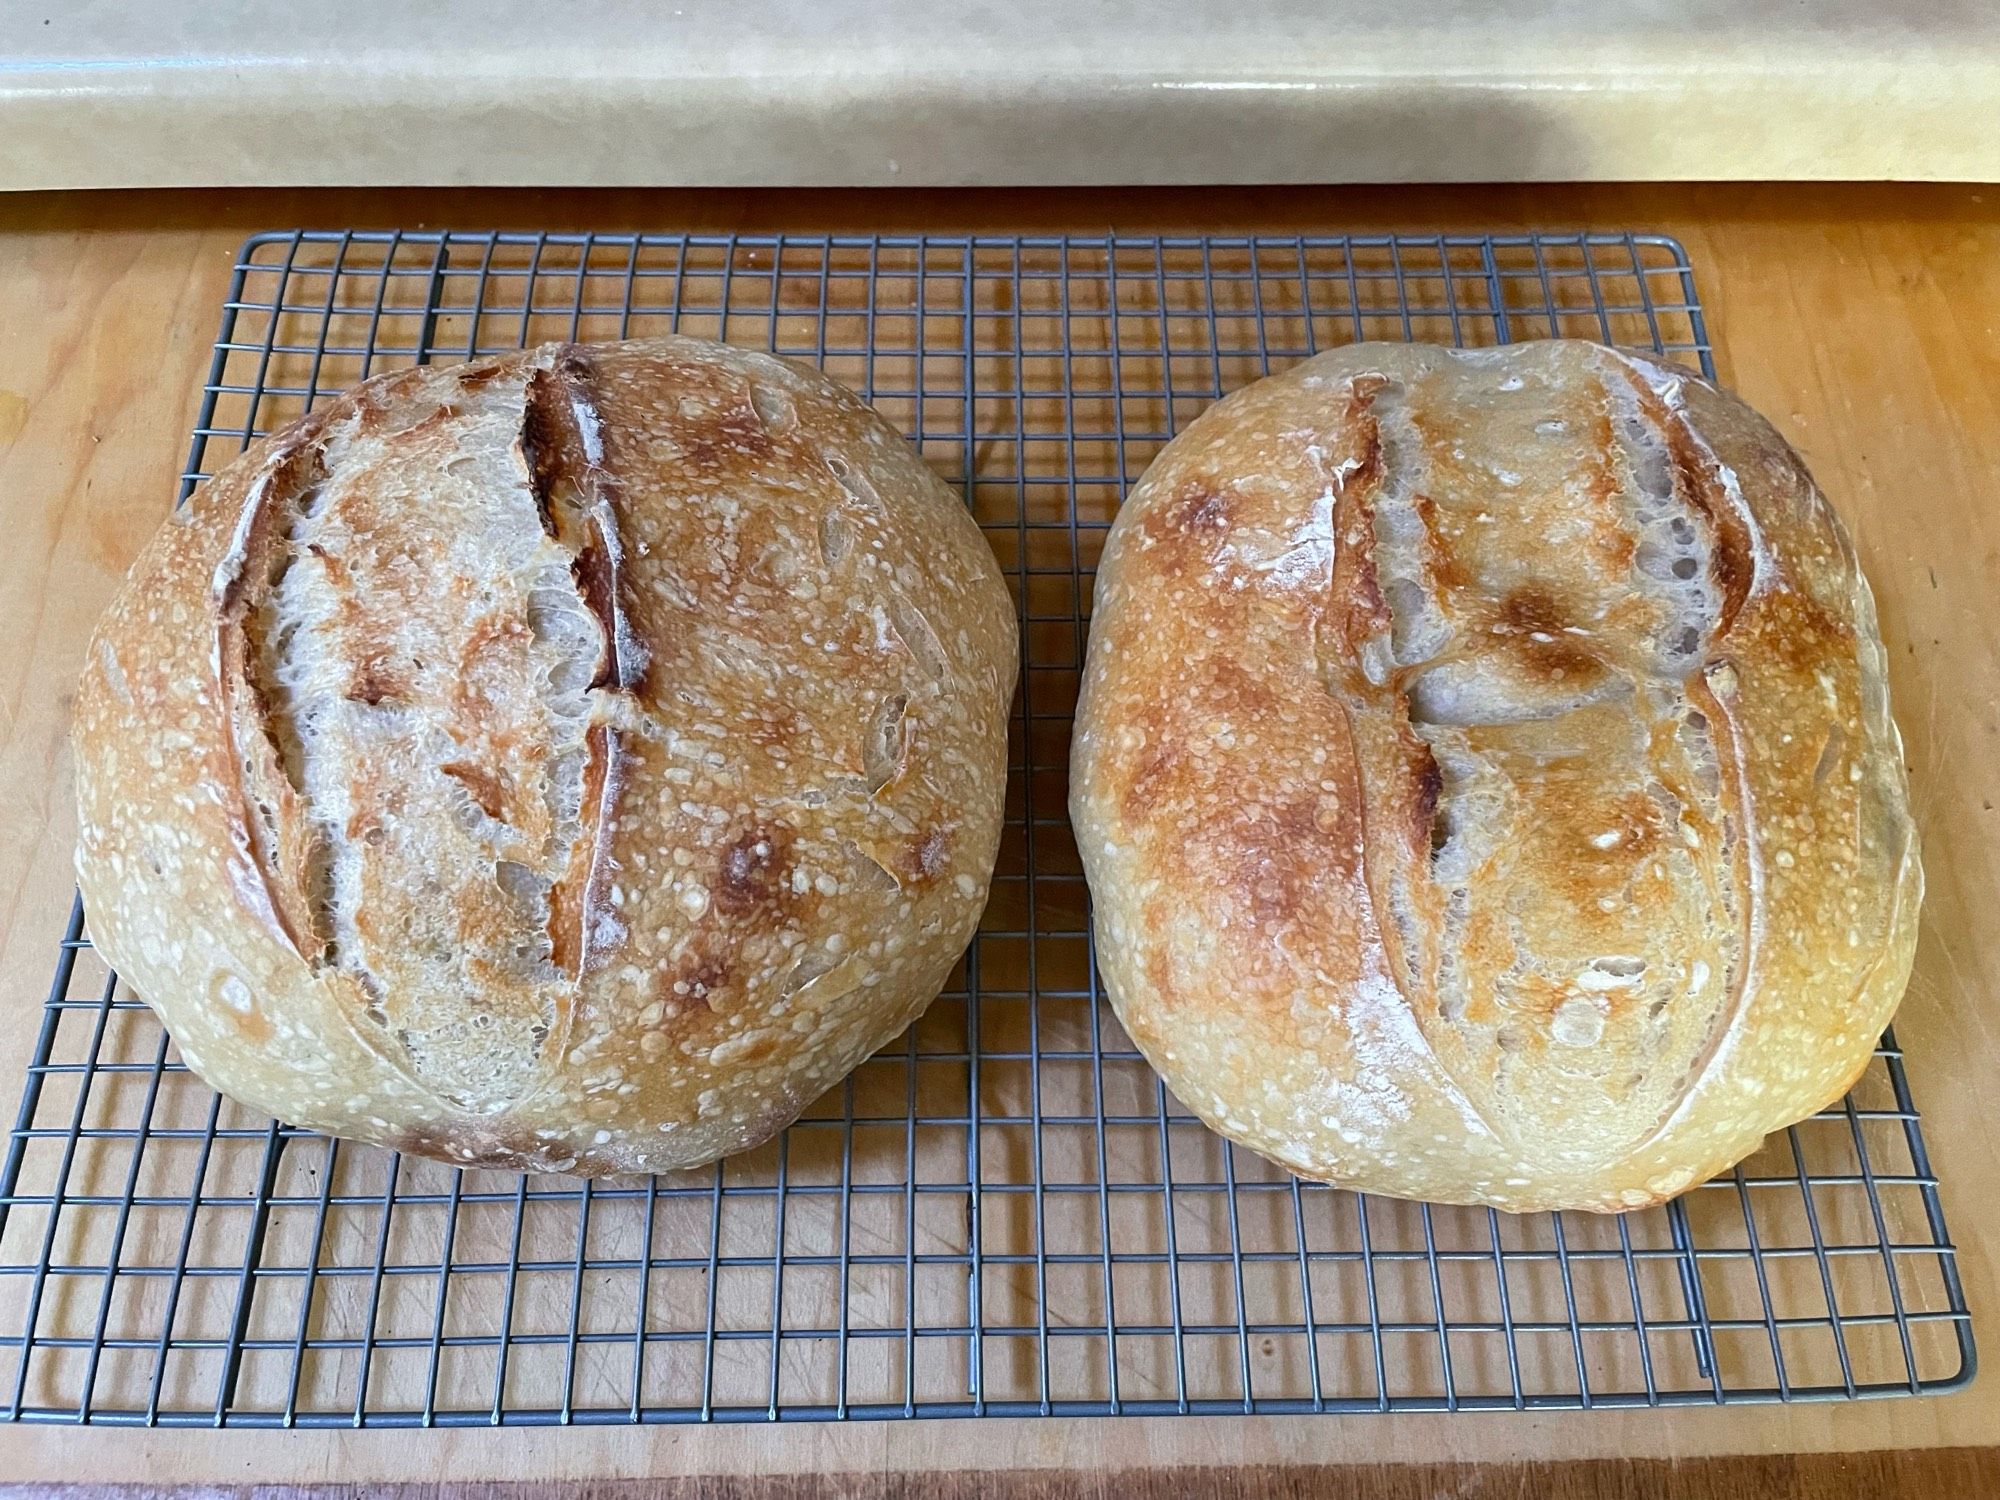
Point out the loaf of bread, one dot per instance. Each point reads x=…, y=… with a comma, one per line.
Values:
x=571, y=761
x=1485, y=777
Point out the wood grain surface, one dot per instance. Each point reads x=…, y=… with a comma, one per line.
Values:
x=1865, y=321
x=1922, y=1475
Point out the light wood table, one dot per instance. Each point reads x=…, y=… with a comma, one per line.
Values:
x=1864, y=320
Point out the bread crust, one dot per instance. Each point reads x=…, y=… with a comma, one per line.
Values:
x=573, y=761
x=1485, y=777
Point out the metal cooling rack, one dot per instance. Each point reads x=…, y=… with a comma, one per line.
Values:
x=1004, y=1213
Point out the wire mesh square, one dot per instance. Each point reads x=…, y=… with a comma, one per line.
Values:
x=1005, y=1212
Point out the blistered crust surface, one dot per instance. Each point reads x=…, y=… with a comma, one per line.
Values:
x=1485, y=777
x=573, y=761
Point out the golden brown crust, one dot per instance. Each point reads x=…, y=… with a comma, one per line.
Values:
x=1485, y=777
x=325, y=764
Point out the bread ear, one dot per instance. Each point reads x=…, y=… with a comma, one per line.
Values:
x=279, y=859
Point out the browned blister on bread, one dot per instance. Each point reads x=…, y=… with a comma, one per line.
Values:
x=1485, y=777
x=576, y=760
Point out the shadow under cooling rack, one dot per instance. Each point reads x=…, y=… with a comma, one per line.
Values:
x=1004, y=1212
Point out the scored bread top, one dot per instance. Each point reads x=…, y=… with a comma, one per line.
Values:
x=578, y=759
x=1485, y=777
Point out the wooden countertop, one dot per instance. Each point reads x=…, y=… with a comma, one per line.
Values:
x=1864, y=320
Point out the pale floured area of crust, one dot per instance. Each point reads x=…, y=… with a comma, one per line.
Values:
x=1484, y=777
x=426, y=663
x=1572, y=934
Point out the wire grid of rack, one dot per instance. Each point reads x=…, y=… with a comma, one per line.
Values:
x=1003, y=1213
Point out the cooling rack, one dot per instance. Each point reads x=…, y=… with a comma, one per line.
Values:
x=1004, y=1213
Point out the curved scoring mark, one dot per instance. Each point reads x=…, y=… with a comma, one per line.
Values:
x=820, y=970
x=114, y=674
x=882, y=751
x=1691, y=730
x=836, y=536
x=1683, y=467
x=915, y=632
x=1487, y=675
x=773, y=407
x=286, y=869
x=870, y=871
x=836, y=530
x=1830, y=754
x=1741, y=840
x=581, y=926
x=562, y=444
x=1404, y=547
x=855, y=483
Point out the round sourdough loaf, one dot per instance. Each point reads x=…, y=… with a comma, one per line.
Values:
x=573, y=761
x=1485, y=777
